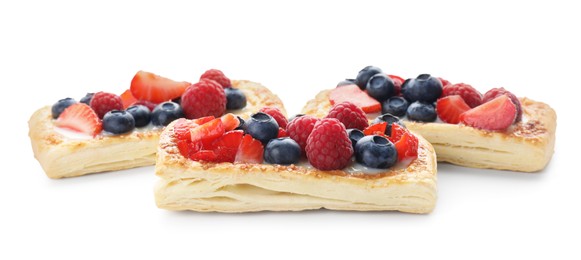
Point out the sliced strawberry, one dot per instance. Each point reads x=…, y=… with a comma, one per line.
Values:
x=188, y=148
x=128, y=99
x=449, y=108
x=281, y=133
x=154, y=88
x=80, y=118
x=182, y=129
x=397, y=131
x=407, y=146
x=205, y=155
x=249, y=151
x=230, y=121
x=207, y=132
x=495, y=115
x=227, y=145
x=203, y=120
x=353, y=94
x=376, y=129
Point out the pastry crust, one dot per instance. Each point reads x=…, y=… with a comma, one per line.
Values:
x=527, y=146
x=62, y=157
x=227, y=187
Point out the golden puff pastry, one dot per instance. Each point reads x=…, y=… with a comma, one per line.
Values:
x=227, y=187
x=527, y=146
x=61, y=156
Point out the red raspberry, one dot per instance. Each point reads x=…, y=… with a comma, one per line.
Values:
x=103, y=102
x=300, y=128
x=350, y=115
x=471, y=96
x=495, y=92
x=329, y=146
x=205, y=98
x=277, y=115
x=218, y=76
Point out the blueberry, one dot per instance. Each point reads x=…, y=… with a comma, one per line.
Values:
x=262, y=127
x=87, y=98
x=60, y=106
x=241, y=125
x=423, y=112
x=396, y=106
x=295, y=116
x=235, y=98
x=424, y=88
x=118, y=122
x=165, y=113
x=282, y=151
x=354, y=135
x=365, y=74
x=141, y=114
x=380, y=87
x=346, y=82
x=376, y=152
x=389, y=119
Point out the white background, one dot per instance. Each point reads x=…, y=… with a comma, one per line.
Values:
x=54, y=49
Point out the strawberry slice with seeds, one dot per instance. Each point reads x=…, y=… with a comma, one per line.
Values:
x=353, y=94
x=230, y=121
x=449, y=108
x=376, y=129
x=204, y=155
x=495, y=115
x=249, y=151
x=208, y=132
x=155, y=88
x=203, y=120
x=81, y=118
x=128, y=99
x=397, y=131
x=226, y=147
x=407, y=146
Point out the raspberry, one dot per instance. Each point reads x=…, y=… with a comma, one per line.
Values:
x=218, y=76
x=103, y=102
x=300, y=128
x=350, y=115
x=329, y=146
x=495, y=92
x=205, y=98
x=444, y=82
x=277, y=115
x=471, y=96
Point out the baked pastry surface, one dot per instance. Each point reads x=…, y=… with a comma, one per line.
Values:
x=61, y=156
x=526, y=146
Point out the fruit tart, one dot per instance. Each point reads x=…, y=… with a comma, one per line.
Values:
x=105, y=132
x=493, y=130
x=274, y=164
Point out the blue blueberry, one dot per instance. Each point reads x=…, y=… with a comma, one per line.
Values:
x=282, y=151
x=365, y=74
x=165, y=113
x=141, y=114
x=87, y=98
x=346, y=82
x=376, y=152
x=380, y=87
x=235, y=98
x=262, y=127
x=424, y=88
x=396, y=106
x=390, y=120
x=118, y=122
x=241, y=124
x=423, y=112
x=354, y=135
x=60, y=106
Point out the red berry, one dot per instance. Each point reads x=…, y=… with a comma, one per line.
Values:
x=205, y=155
x=376, y=129
x=407, y=146
x=205, y=98
x=226, y=146
x=154, y=88
x=218, y=76
x=230, y=121
x=81, y=118
x=329, y=146
x=277, y=115
x=146, y=103
x=353, y=94
x=444, y=82
x=207, y=132
x=281, y=133
x=495, y=92
x=103, y=102
x=471, y=96
x=128, y=99
x=350, y=115
x=397, y=131
x=249, y=151
x=449, y=108
x=203, y=120
x=494, y=115
x=300, y=128
x=182, y=129
x=397, y=82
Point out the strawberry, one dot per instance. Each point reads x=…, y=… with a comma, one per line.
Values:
x=495, y=115
x=205, y=155
x=449, y=108
x=203, y=120
x=81, y=118
x=226, y=146
x=182, y=129
x=128, y=99
x=208, y=132
x=188, y=148
x=249, y=151
x=154, y=88
x=353, y=94
x=376, y=129
x=406, y=146
x=281, y=133
x=229, y=121
x=397, y=82
x=397, y=131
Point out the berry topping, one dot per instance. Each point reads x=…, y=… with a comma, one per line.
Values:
x=376, y=152
x=365, y=74
x=495, y=92
x=127, y=99
x=354, y=135
x=226, y=146
x=406, y=143
x=350, y=115
x=207, y=132
x=87, y=99
x=449, y=108
x=380, y=87
x=154, y=88
x=444, y=82
x=241, y=124
x=141, y=114
x=295, y=116
x=235, y=98
x=165, y=113
x=146, y=103
x=205, y=98
x=376, y=129
x=389, y=119
x=81, y=118
x=277, y=115
x=300, y=128
x=249, y=151
x=346, y=82
x=353, y=94
x=204, y=155
x=281, y=133
x=118, y=122
x=424, y=88
x=282, y=151
x=60, y=106
x=471, y=96
x=423, y=112
x=328, y=146
x=396, y=106
x=218, y=76
x=262, y=127
x=230, y=122
x=497, y=114
x=397, y=83
x=103, y=102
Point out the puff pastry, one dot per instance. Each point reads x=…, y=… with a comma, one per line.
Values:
x=61, y=156
x=527, y=146
x=227, y=187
